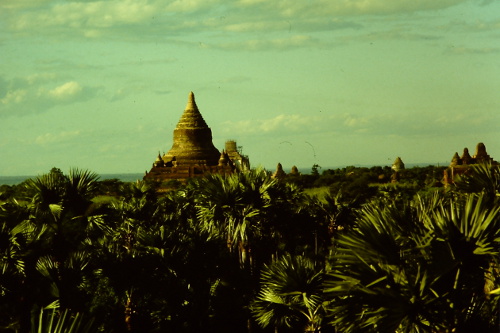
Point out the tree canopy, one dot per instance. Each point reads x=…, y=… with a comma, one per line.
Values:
x=249, y=253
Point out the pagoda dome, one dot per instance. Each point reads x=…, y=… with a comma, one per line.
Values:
x=279, y=173
x=193, y=139
x=481, y=154
x=466, y=158
x=455, y=160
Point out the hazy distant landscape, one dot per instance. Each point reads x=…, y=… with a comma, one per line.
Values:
x=130, y=177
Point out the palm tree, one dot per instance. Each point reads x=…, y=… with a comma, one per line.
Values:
x=232, y=206
x=483, y=177
x=63, y=205
x=326, y=217
x=22, y=243
x=161, y=267
x=73, y=192
x=291, y=295
x=44, y=235
x=431, y=266
x=121, y=264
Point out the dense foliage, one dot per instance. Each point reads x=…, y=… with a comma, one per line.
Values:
x=249, y=253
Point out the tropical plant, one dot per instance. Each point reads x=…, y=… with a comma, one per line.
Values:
x=44, y=250
x=121, y=265
x=431, y=266
x=21, y=286
x=483, y=177
x=291, y=295
x=52, y=320
x=231, y=207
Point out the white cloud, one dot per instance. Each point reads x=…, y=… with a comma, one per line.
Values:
x=460, y=50
x=89, y=15
x=14, y=97
x=256, y=26
x=39, y=92
x=66, y=90
x=295, y=41
x=476, y=25
x=324, y=8
x=40, y=77
x=293, y=123
x=92, y=18
x=247, y=25
x=191, y=5
x=14, y=4
x=355, y=121
x=403, y=124
x=237, y=79
x=57, y=137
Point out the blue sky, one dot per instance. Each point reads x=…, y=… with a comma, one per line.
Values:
x=100, y=85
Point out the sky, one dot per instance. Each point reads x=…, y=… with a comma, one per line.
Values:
x=100, y=85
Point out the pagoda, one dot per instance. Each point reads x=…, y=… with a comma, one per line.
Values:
x=193, y=153
x=397, y=166
x=460, y=165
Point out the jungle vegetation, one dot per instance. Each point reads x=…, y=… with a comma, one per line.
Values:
x=249, y=253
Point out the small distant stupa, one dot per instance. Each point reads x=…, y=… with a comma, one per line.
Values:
x=397, y=166
x=193, y=153
x=279, y=173
x=294, y=171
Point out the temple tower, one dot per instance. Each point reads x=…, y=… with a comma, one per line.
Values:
x=241, y=161
x=193, y=153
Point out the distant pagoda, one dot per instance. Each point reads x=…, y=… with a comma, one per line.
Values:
x=398, y=164
x=460, y=165
x=193, y=153
x=397, y=167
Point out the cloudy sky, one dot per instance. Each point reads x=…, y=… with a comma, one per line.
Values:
x=100, y=85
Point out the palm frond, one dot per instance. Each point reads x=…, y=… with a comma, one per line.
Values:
x=411, y=270
x=52, y=320
x=291, y=293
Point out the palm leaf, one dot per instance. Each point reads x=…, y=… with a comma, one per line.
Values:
x=52, y=320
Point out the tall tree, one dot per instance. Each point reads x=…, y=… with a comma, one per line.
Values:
x=233, y=207
x=47, y=230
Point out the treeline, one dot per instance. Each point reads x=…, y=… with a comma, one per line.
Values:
x=362, y=183
x=419, y=176
x=249, y=253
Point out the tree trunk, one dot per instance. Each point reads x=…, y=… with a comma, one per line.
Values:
x=128, y=314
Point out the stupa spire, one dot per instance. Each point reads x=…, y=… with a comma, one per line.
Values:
x=191, y=118
x=191, y=102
